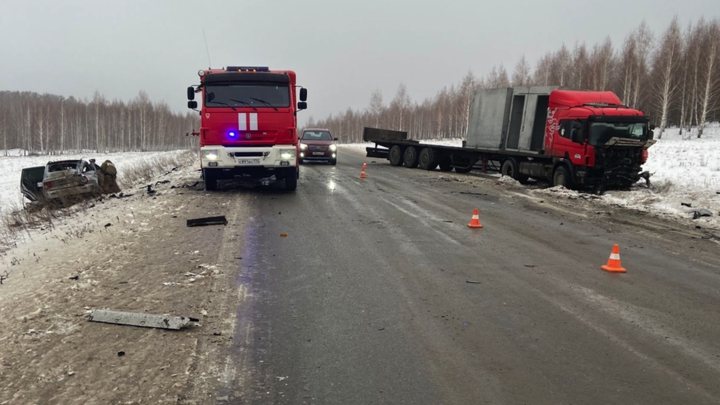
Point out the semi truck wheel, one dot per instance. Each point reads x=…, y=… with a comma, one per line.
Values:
x=291, y=179
x=396, y=156
x=562, y=177
x=210, y=180
x=510, y=168
x=427, y=159
x=410, y=157
x=446, y=165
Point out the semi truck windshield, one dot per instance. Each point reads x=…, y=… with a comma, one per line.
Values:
x=247, y=95
x=601, y=132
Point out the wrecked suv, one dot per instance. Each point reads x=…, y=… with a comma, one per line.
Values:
x=71, y=178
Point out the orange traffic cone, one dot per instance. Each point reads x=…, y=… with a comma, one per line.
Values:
x=362, y=173
x=365, y=165
x=475, y=221
x=613, y=265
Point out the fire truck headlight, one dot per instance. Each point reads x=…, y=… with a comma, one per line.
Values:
x=210, y=154
x=287, y=154
x=201, y=73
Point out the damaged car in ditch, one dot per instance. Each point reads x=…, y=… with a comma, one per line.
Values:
x=62, y=180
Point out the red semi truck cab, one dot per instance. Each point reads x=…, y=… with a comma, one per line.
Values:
x=601, y=141
x=248, y=124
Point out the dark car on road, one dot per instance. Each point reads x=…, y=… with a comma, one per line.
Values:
x=319, y=145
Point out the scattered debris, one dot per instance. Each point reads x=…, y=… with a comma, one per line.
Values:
x=473, y=282
x=220, y=220
x=143, y=320
x=381, y=329
x=108, y=225
x=121, y=353
x=74, y=277
x=217, y=333
x=283, y=235
x=121, y=195
x=530, y=265
x=162, y=182
x=150, y=190
x=685, y=204
x=701, y=212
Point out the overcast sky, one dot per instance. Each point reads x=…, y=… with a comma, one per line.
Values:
x=341, y=50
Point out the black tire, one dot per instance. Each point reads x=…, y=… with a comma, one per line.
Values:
x=291, y=179
x=210, y=180
x=396, y=156
x=562, y=177
x=446, y=165
x=427, y=159
x=333, y=162
x=510, y=168
x=410, y=157
x=463, y=170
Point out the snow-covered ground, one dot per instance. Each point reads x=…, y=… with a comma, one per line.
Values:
x=684, y=169
x=12, y=165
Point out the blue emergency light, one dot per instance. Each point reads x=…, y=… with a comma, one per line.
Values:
x=232, y=134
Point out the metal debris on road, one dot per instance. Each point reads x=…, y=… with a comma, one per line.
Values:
x=473, y=282
x=142, y=320
x=219, y=220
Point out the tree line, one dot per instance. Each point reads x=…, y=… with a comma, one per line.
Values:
x=673, y=77
x=50, y=124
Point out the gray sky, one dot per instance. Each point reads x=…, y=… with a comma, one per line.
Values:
x=340, y=50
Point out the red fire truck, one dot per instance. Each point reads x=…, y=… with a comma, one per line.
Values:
x=248, y=124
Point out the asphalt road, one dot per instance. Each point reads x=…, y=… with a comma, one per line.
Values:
x=381, y=294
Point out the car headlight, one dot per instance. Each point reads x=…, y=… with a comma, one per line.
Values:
x=287, y=154
x=303, y=146
x=210, y=154
x=333, y=148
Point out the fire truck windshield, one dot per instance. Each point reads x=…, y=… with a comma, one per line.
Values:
x=255, y=95
x=602, y=132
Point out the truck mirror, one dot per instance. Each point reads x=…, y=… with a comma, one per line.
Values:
x=302, y=105
x=192, y=104
x=303, y=94
x=191, y=93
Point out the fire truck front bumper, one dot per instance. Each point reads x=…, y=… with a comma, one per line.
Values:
x=221, y=157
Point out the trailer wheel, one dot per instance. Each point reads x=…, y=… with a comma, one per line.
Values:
x=446, y=165
x=562, y=177
x=396, y=156
x=410, y=157
x=510, y=168
x=463, y=170
x=427, y=159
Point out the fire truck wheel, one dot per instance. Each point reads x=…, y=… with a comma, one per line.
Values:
x=291, y=179
x=562, y=177
x=210, y=180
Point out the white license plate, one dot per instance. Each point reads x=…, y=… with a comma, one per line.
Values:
x=249, y=161
x=318, y=153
